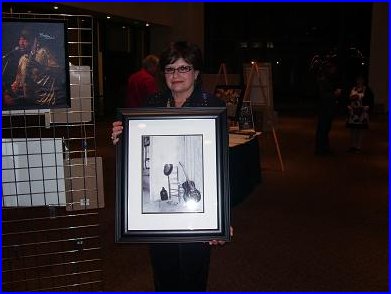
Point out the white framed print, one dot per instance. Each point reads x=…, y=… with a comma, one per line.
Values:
x=172, y=175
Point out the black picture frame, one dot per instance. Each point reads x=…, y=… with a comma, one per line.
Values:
x=232, y=95
x=186, y=148
x=36, y=75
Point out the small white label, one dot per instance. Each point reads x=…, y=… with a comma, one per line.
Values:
x=84, y=201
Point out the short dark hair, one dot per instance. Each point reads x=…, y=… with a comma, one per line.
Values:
x=190, y=52
x=150, y=61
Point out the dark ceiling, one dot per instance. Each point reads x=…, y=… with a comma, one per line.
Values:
x=303, y=28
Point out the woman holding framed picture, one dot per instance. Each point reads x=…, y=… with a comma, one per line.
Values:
x=180, y=266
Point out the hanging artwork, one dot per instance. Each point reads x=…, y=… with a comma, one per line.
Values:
x=35, y=71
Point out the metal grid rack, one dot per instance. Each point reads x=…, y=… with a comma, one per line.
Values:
x=51, y=182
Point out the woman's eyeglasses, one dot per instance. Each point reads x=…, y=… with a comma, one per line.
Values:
x=180, y=69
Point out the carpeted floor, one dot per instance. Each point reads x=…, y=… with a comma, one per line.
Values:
x=322, y=225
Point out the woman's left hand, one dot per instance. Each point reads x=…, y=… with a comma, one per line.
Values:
x=116, y=131
x=217, y=242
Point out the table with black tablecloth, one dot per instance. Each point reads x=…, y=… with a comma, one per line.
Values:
x=244, y=166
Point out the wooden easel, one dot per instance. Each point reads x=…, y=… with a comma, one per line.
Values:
x=255, y=72
x=222, y=72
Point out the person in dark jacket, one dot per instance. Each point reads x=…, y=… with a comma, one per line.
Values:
x=330, y=90
x=182, y=266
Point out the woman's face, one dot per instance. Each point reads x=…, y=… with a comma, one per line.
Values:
x=180, y=82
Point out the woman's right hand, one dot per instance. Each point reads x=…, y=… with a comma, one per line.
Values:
x=117, y=130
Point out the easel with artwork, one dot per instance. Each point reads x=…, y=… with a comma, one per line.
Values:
x=232, y=95
x=222, y=73
x=259, y=93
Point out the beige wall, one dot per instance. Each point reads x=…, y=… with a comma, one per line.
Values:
x=378, y=60
x=169, y=21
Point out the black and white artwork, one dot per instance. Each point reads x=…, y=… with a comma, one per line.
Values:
x=172, y=176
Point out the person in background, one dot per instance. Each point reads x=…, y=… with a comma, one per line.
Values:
x=361, y=102
x=329, y=92
x=182, y=266
x=142, y=83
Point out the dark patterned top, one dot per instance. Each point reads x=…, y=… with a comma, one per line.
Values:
x=198, y=98
x=360, y=104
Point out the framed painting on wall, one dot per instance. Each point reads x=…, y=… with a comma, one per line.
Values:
x=182, y=194
x=35, y=70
